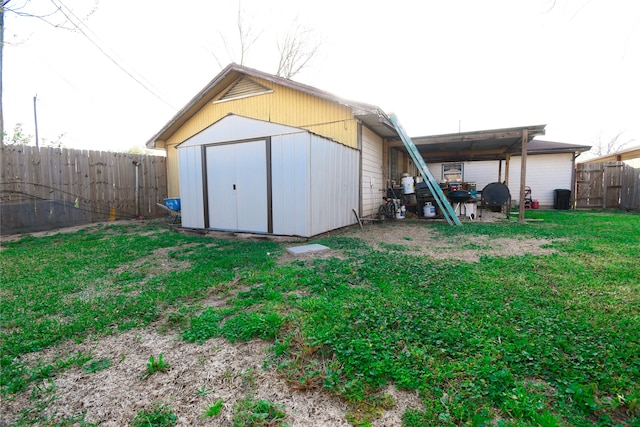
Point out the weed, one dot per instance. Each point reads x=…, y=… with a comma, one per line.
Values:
x=156, y=365
x=202, y=391
x=214, y=410
x=159, y=415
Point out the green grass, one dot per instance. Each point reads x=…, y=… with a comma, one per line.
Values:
x=547, y=340
x=159, y=415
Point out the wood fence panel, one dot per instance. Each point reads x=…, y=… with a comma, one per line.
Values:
x=26, y=174
x=84, y=192
x=607, y=185
x=45, y=188
x=630, y=194
x=589, y=178
x=612, y=185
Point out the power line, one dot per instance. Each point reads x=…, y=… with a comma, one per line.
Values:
x=115, y=62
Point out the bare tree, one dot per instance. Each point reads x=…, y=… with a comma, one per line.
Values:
x=603, y=147
x=246, y=38
x=296, y=49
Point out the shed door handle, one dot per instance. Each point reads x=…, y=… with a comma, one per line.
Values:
x=234, y=186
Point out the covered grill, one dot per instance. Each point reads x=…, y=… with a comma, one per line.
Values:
x=496, y=195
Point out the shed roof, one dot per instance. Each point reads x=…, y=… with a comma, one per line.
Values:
x=371, y=115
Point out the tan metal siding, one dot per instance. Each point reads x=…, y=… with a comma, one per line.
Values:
x=173, y=183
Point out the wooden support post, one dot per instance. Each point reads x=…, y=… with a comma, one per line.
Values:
x=500, y=170
x=506, y=169
x=523, y=173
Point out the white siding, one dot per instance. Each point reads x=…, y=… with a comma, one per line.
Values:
x=191, y=188
x=373, y=183
x=545, y=173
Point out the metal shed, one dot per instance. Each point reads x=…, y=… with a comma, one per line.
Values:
x=247, y=175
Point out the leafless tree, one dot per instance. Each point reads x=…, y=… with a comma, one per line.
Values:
x=246, y=38
x=602, y=147
x=296, y=49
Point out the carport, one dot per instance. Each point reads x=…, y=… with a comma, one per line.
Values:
x=495, y=144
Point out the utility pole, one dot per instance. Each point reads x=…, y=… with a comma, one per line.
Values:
x=35, y=117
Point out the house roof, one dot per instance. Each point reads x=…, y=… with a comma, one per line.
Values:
x=492, y=144
x=371, y=115
x=628, y=154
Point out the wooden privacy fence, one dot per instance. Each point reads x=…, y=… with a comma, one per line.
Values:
x=46, y=188
x=607, y=185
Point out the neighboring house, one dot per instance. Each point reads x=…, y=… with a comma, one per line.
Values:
x=550, y=165
x=259, y=153
x=241, y=130
x=630, y=156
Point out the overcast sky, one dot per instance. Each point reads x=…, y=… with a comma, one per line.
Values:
x=441, y=66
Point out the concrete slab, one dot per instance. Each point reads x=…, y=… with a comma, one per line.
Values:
x=305, y=249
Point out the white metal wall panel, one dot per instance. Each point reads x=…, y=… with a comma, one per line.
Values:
x=373, y=185
x=191, y=191
x=290, y=169
x=314, y=181
x=334, y=185
x=237, y=128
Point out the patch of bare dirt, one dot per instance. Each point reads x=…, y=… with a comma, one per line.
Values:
x=416, y=237
x=217, y=368
x=198, y=376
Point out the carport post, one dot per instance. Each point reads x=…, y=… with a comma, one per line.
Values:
x=506, y=169
x=523, y=174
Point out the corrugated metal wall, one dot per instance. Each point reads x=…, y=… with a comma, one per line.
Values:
x=191, y=187
x=333, y=186
x=290, y=174
x=314, y=180
x=315, y=184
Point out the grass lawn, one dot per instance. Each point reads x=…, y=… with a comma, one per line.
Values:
x=545, y=340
